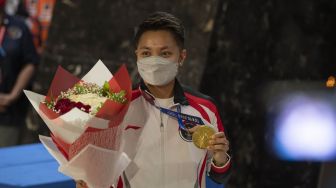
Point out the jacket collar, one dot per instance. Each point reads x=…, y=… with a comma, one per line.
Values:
x=179, y=96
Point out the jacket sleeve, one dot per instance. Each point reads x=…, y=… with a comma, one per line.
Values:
x=219, y=174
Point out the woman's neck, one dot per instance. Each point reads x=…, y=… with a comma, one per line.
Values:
x=162, y=92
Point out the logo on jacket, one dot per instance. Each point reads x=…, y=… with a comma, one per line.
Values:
x=186, y=135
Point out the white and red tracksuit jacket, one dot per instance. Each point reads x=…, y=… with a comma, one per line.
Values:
x=162, y=155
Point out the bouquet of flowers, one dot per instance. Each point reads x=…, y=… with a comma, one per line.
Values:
x=84, y=117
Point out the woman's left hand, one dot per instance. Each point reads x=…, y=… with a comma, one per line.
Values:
x=219, y=145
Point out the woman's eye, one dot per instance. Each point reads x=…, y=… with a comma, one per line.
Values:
x=166, y=54
x=145, y=54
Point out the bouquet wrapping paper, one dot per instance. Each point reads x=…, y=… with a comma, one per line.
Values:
x=86, y=146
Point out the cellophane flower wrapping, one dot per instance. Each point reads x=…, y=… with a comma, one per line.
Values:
x=86, y=145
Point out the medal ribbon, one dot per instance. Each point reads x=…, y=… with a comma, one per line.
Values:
x=180, y=116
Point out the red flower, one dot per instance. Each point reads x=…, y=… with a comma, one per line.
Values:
x=81, y=106
x=65, y=105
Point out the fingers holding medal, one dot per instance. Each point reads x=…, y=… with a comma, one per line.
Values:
x=219, y=142
x=205, y=137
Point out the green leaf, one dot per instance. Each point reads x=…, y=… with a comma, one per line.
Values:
x=106, y=86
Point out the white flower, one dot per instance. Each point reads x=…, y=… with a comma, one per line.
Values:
x=92, y=99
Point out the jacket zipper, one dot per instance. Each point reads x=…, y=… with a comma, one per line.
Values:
x=162, y=151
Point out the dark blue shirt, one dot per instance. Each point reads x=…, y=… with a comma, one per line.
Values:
x=17, y=51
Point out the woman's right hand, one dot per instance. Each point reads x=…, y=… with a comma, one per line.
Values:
x=81, y=184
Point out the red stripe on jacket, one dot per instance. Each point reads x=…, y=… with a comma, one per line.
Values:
x=198, y=107
x=120, y=183
x=207, y=103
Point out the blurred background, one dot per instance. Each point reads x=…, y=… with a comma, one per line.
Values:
x=269, y=64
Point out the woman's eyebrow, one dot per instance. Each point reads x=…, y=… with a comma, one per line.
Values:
x=148, y=48
x=145, y=48
x=164, y=48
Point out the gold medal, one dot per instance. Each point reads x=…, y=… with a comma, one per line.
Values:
x=202, y=135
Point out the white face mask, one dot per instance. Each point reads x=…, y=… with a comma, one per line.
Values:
x=156, y=70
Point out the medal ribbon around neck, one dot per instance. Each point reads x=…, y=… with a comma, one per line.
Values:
x=202, y=134
x=177, y=115
x=180, y=116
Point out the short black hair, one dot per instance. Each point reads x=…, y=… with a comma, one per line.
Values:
x=161, y=21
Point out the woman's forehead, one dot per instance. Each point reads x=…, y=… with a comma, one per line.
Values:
x=157, y=39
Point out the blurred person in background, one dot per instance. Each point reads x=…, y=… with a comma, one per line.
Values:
x=18, y=61
x=37, y=15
